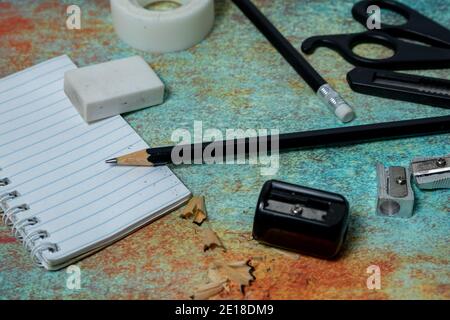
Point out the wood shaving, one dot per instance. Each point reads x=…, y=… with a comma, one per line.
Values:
x=211, y=240
x=200, y=212
x=238, y=263
x=221, y=274
x=200, y=216
x=195, y=207
x=209, y=290
x=240, y=272
x=189, y=209
x=215, y=276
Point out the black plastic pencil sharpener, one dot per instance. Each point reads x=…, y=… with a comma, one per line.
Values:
x=301, y=219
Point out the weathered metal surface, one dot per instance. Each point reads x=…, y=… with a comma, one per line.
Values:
x=235, y=79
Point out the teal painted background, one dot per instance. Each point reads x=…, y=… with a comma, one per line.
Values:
x=235, y=79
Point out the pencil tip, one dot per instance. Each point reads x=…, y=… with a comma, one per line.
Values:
x=111, y=161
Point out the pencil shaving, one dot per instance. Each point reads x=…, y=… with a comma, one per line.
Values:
x=199, y=217
x=215, y=276
x=211, y=240
x=238, y=272
x=209, y=290
x=238, y=263
x=220, y=275
x=189, y=209
x=200, y=210
x=195, y=207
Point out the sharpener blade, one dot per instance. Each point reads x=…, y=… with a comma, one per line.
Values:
x=431, y=173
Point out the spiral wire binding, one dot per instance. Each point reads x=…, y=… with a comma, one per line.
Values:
x=10, y=214
x=32, y=237
x=36, y=253
x=4, y=198
x=18, y=226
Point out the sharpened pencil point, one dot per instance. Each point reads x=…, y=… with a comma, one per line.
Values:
x=111, y=161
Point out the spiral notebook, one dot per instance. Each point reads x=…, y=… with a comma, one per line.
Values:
x=56, y=192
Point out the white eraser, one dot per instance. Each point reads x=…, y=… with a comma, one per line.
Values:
x=111, y=88
x=344, y=113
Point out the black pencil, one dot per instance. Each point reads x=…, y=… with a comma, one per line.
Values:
x=325, y=92
x=291, y=141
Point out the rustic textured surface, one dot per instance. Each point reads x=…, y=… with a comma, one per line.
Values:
x=234, y=79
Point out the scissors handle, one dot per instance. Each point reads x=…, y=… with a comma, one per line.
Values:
x=407, y=56
x=417, y=27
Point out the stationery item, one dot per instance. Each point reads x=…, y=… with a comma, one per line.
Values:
x=195, y=208
x=57, y=195
x=395, y=194
x=290, y=141
x=431, y=172
x=162, y=31
x=326, y=93
x=400, y=86
x=407, y=55
x=301, y=219
x=111, y=88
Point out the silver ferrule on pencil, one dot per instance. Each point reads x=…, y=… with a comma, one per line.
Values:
x=335, y=103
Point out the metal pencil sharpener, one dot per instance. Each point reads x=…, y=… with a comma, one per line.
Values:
x=395, y=195
x=431, y=173
x=301, y=219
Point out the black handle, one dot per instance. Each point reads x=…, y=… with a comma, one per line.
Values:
x=407, y=56
x=417, y=27
x=401, y=86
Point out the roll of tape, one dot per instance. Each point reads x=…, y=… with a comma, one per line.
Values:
x=162, y=31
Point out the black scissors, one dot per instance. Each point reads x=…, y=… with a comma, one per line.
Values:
x=407, y=55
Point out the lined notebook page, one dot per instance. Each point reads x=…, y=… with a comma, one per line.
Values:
x=56, y=163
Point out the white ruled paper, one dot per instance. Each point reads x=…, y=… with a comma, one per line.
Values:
x=56, y=162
